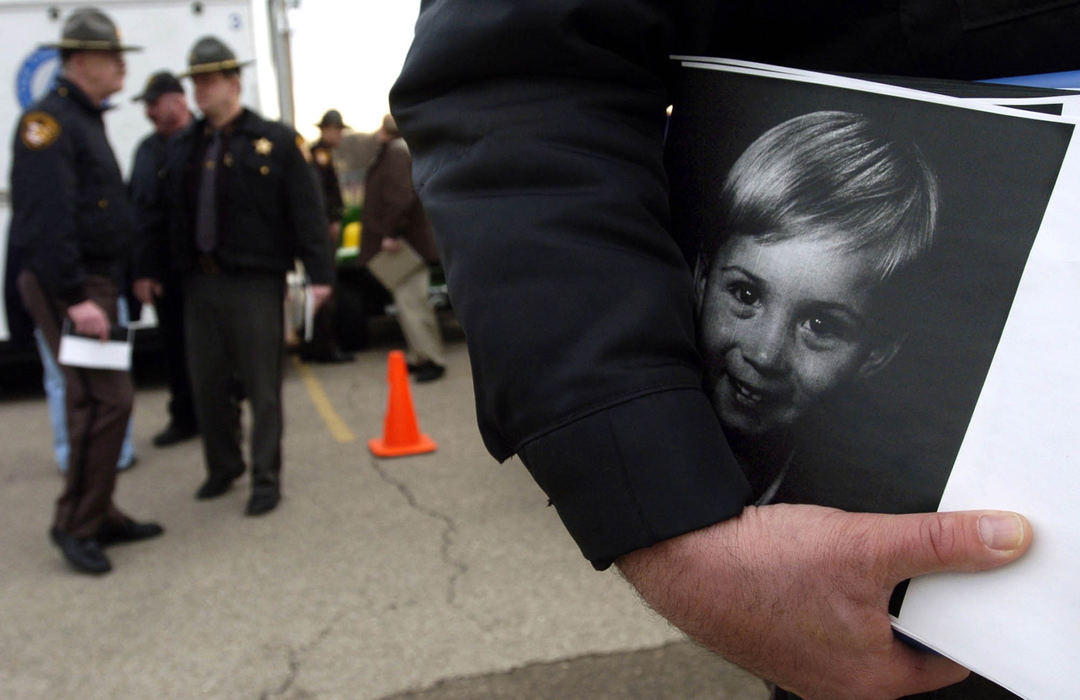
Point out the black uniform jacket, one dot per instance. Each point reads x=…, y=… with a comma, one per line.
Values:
x=322, y=158
x=269, y=207
x=70, y=214
x=536, y=128
x=148, y=163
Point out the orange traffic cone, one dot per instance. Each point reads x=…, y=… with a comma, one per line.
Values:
x=401, y=432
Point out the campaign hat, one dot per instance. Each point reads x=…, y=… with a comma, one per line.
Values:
x=90, y=29
x=211, y=55
x=332, y=118
x=157, y=85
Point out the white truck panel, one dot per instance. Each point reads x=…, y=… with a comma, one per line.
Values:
x=166, y=29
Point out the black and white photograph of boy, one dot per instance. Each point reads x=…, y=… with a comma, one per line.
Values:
x=855, y=258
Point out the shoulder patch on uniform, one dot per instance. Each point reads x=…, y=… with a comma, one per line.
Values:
x=39, y=130
x=302, y=145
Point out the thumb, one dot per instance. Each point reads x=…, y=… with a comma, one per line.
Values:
x=964, y=541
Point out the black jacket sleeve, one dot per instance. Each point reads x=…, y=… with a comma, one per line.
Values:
x=145, y=189
x=326, y=174
x=536, y=129
x=307, y=214
x=45, y=193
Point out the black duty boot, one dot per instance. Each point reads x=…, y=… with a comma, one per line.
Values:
x=215, y=486
x=174, y=433
x=83, y=555
x=128, y=531
x=428, y=372
x=262, y=502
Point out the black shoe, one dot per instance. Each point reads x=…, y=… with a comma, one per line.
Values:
x=128, y=531
x=336, y=357
x=328, y=357
x=429, y=372
x=173, y=434
x=82, y=555
x=215, y=486
x=262, y=502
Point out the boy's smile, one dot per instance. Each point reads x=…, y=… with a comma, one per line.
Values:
x=783, y=324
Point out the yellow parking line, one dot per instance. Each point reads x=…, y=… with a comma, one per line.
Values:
x=333, y=421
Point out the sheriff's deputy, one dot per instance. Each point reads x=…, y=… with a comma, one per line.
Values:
x=71, y=229
x=324, y=345
x=167, y=109
x=241, y=202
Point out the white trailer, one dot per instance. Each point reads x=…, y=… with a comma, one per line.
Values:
x=166, y=29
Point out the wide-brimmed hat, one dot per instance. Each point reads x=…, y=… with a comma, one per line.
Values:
x=159, y=84
x=332, y=118
x=211, y=55
x=90, y=29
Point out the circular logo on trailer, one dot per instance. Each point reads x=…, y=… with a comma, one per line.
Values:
x=36, y=76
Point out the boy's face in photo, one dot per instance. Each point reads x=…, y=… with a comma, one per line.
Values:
x=784, y=324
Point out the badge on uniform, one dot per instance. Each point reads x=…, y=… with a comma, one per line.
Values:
x=322, y=157
x=39, y=130
x=263, y=146
x=304, y=150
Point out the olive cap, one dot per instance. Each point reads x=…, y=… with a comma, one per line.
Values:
x=90, y=29
x=159, y=84
x=211, y=55
x=332, y=118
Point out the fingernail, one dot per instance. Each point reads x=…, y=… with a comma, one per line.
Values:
x=1002, y=531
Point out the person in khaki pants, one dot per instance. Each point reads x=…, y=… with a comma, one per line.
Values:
x=393, y=216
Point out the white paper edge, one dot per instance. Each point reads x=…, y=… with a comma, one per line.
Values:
x=725, y=66
x=981, y=671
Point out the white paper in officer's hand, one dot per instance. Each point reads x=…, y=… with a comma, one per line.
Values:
x=309, y=313
x=93, y=353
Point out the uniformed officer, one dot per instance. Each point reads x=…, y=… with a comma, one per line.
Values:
x=331, y=132
x=241, y=203
x=167, y=109
x=70, y=234
x=324, y=346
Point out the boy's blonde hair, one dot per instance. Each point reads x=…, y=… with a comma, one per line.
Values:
x=837, y=176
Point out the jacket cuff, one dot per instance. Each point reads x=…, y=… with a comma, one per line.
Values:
x=319, y=270
x=73, y=295
x=634, y=474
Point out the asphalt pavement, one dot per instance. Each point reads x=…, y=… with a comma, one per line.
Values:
x=441, y=576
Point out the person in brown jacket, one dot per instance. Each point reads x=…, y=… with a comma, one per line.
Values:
x=393, y=218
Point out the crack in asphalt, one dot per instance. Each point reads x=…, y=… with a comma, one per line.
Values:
x=459, y=567
x=296, y=657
